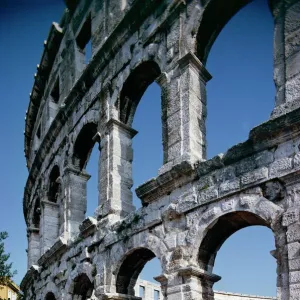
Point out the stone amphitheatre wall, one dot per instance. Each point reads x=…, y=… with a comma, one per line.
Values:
x=194, y=204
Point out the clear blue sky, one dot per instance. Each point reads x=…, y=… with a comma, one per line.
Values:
x=240, y=96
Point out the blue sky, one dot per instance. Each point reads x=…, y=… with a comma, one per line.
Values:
x=240, y=96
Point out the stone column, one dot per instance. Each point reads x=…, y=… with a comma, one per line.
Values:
x=115, y=183
x=33, y=236
x=191, y=283
x=184, y=111
x=286, y=55
x=49, y=224
x=288, y=247
x=75, y=203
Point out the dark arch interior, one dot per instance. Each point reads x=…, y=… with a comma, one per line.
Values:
x=217, y=13
x=84, y=145
x=83, y=286
x=50, y=296
x=36, y=213
x=130, y=270
x=54, y=185
x=134, y=88
x=224, y=227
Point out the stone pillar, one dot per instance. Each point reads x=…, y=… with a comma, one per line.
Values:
x=286, y=55
x=191, y=283
x=184, y=111
x=49, y=224
x=115, y=183
x=75, y=200
x=33, y=236
x=288, y=247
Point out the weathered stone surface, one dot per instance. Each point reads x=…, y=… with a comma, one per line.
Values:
x=193, y=202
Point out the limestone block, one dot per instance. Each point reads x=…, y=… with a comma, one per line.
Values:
x=224, y=174
x=227, y=205
x=294, y=264
x=248, y=200
x=292, y=43
x=229, y=186
x=208, y=194
x=280, y=166
x=293, y=65
x=210, y=213
x=254, y=176
x=290, y=217
x=292, y=21
x=293, y=232
x=292, y=87
x=284, y=150
x=170, y=240
x=245, y=166
x=294, y=277
x=293, y=250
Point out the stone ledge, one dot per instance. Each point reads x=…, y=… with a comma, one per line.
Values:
x=165, y=183
x=197, y=272
x=29, y=276
x=59, y=245
x=262, y=137
x=186, y=172
x=88, y=226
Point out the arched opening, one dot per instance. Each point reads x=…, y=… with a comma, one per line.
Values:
x=92, y=188
x=83, y=287
x=227, y=226
x=130, y=270
x=50, y=296
x=52, y=211
x=245, y=263
x=235, y=42
x=54, y=185
x=134, y=88
x=152, y=289
x=86, y=158
x=84, y=145
x=147, y=145
x=216, y=15
x=36, y=213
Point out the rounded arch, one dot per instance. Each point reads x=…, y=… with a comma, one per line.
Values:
x=54, y=184
x=134, y=87
x=50, y=296
x=50, y=292
x=84, y=144
x=130, y=268
x=83, y=286
x=255, y=209
x=85, y=268
x=221, y=229
x=215, y=15
x=36, y=215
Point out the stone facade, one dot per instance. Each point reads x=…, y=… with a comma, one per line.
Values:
x=194, y=204
x=151, y=291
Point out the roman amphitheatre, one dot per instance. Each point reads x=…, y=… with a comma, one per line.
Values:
x=193, y=204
